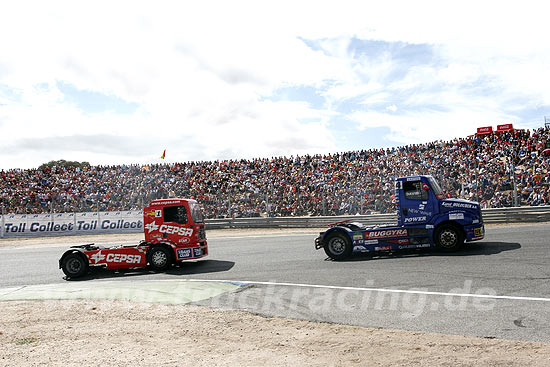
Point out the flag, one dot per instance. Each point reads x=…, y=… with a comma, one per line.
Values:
x=163, y=154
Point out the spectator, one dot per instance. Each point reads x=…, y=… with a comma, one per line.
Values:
x=357, y=182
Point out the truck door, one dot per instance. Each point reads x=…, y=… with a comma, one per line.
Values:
x=177, y=227
x=416, y=205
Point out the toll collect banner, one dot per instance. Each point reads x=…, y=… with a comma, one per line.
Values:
x=58, y=224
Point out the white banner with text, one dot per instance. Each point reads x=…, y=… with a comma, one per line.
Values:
x=58, y=224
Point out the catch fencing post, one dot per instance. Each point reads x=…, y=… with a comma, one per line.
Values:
x=229, y=206
x=51, y=213
x=3, y=212
x=324, y=205
x=98, y=221
x=514, y=188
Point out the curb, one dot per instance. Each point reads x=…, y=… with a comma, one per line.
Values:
x=155, y=291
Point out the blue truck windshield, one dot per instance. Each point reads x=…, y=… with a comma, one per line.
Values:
x=436, y=188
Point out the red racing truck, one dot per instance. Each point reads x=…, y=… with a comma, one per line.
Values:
x=174, y=231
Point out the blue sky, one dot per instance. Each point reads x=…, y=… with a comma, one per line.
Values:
x=92, y=102
x=119, y=83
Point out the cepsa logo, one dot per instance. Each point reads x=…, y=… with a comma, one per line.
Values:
x=165, y=228
x=176, y=230
x=123, y=258
x=116, y=258
x=387, y=233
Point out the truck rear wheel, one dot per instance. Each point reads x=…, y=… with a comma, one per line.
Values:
x=337, y=246
x=159, y=258
x=448, y=238
x=74, y=265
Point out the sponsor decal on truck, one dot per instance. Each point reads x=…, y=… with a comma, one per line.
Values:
x=415, y=219
x=458, y=205
x=186, y=253
x=401, y=232
x=164, y=228
x=116, y=258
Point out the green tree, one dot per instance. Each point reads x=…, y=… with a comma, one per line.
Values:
x=64, y=163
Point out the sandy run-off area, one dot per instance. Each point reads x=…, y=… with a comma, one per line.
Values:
x=108, y=333
x=122, y=333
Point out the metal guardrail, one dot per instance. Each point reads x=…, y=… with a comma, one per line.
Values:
x=524, y=214
x=490, y=216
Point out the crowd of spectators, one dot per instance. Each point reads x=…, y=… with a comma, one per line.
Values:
x=482, y=168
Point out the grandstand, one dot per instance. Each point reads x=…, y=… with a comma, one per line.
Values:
x=482, y=168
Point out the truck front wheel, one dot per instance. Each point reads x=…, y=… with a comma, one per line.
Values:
x=448, y=238
x=159, y=258
x=337, y=246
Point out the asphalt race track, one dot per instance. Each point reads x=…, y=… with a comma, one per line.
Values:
x=495, y=288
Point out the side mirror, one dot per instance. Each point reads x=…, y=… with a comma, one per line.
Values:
x=425, y=187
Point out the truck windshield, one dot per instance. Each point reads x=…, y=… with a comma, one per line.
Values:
x=436, y=188
x=196, y=213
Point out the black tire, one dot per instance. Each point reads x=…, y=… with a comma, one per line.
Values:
x=448, y=238
x=337, y=246
x=74, y=265
x=159, y=258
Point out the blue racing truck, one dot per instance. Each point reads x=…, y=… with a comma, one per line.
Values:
x=426, y=217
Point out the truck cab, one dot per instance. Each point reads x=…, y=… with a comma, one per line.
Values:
x=175, y=221
x=426, y=217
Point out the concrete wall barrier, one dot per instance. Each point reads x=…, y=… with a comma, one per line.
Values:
x=37, y=225
x=58, y=224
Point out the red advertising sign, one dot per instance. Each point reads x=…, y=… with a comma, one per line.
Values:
x=484, y=130
x=504, y=127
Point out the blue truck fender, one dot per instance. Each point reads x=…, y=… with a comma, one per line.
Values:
x=320, y=241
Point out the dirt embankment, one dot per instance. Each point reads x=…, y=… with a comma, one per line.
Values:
x=77, y=333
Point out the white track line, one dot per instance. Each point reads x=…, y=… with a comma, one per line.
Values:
x=364, y=289
x=489, y=296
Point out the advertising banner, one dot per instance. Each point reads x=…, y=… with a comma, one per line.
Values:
x=484, y=130
x=58, y=224
x=504, y=127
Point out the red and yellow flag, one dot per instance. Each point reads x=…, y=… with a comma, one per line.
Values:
x=163, y=154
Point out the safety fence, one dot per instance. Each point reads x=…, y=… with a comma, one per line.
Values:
x=37, y=225
x=490, y=216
